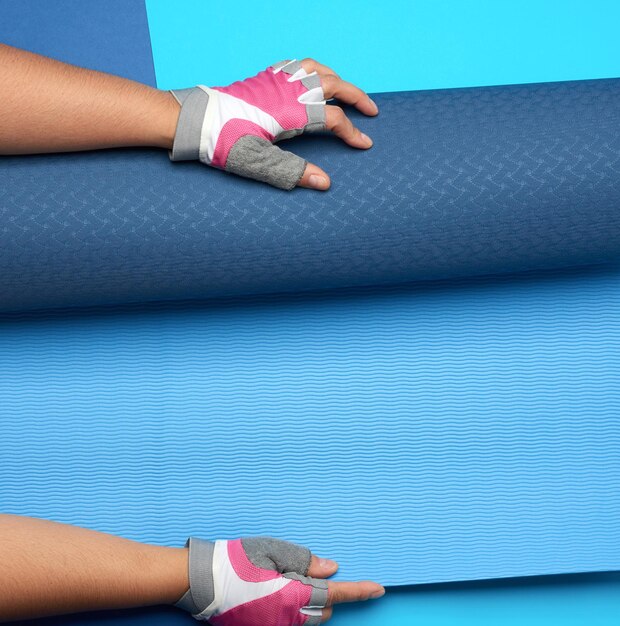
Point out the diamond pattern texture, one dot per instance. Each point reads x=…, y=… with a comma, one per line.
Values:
x=459, y=182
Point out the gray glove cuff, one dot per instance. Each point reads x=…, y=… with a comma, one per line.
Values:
x=201, y=592
x=186, y=146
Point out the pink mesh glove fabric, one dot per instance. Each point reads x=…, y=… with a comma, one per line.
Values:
x=234, y=128
x=257, y=581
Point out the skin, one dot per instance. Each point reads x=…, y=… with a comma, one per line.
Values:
x=49, y=568
x=56, y=107
x=52, y=569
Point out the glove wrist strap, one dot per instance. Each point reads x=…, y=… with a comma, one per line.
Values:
x=201, y=592
x=194, y=102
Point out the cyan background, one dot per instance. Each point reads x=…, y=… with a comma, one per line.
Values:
x=392, y=45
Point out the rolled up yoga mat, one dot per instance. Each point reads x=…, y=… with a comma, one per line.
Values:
x=459, y=182
x=417, y=431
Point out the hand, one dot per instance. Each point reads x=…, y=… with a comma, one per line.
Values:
x=234, y=127
x=260, y=580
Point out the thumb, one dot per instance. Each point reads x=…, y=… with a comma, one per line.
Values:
x=314, y=178
x=276, y=554
x=256, y=157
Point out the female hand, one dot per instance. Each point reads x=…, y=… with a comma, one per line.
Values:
x=260, y=580
x=235, y=127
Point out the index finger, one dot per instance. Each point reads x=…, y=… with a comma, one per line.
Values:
x=310, y=65
x=335, y=87
x=353, y=592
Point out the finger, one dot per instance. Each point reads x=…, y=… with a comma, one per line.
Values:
x=322, y=568
x=353, y=592
x=326, y=615
x=310, y=65
x=334, y=87
x=314, y=178
x=341, y=125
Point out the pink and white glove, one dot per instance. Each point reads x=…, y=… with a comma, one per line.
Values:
x=257, y=581
x=234, y=128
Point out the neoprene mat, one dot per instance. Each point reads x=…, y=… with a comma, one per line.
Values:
x=442, y=431
x=464, y=182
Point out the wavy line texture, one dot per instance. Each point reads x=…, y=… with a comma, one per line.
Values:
x=442, y=432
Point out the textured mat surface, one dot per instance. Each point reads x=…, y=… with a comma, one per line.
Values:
x=456, y=430
x=447, y=432
x=470, y=181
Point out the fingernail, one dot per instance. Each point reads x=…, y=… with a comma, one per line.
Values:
x=316, y=181
x=327, y=564
x=374, y=104
x=378, y=594
x=367, y=139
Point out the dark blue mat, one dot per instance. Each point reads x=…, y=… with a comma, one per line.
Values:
x=459, y=182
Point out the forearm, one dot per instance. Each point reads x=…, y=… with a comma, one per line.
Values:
x=49, y=569
x=49, y=106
